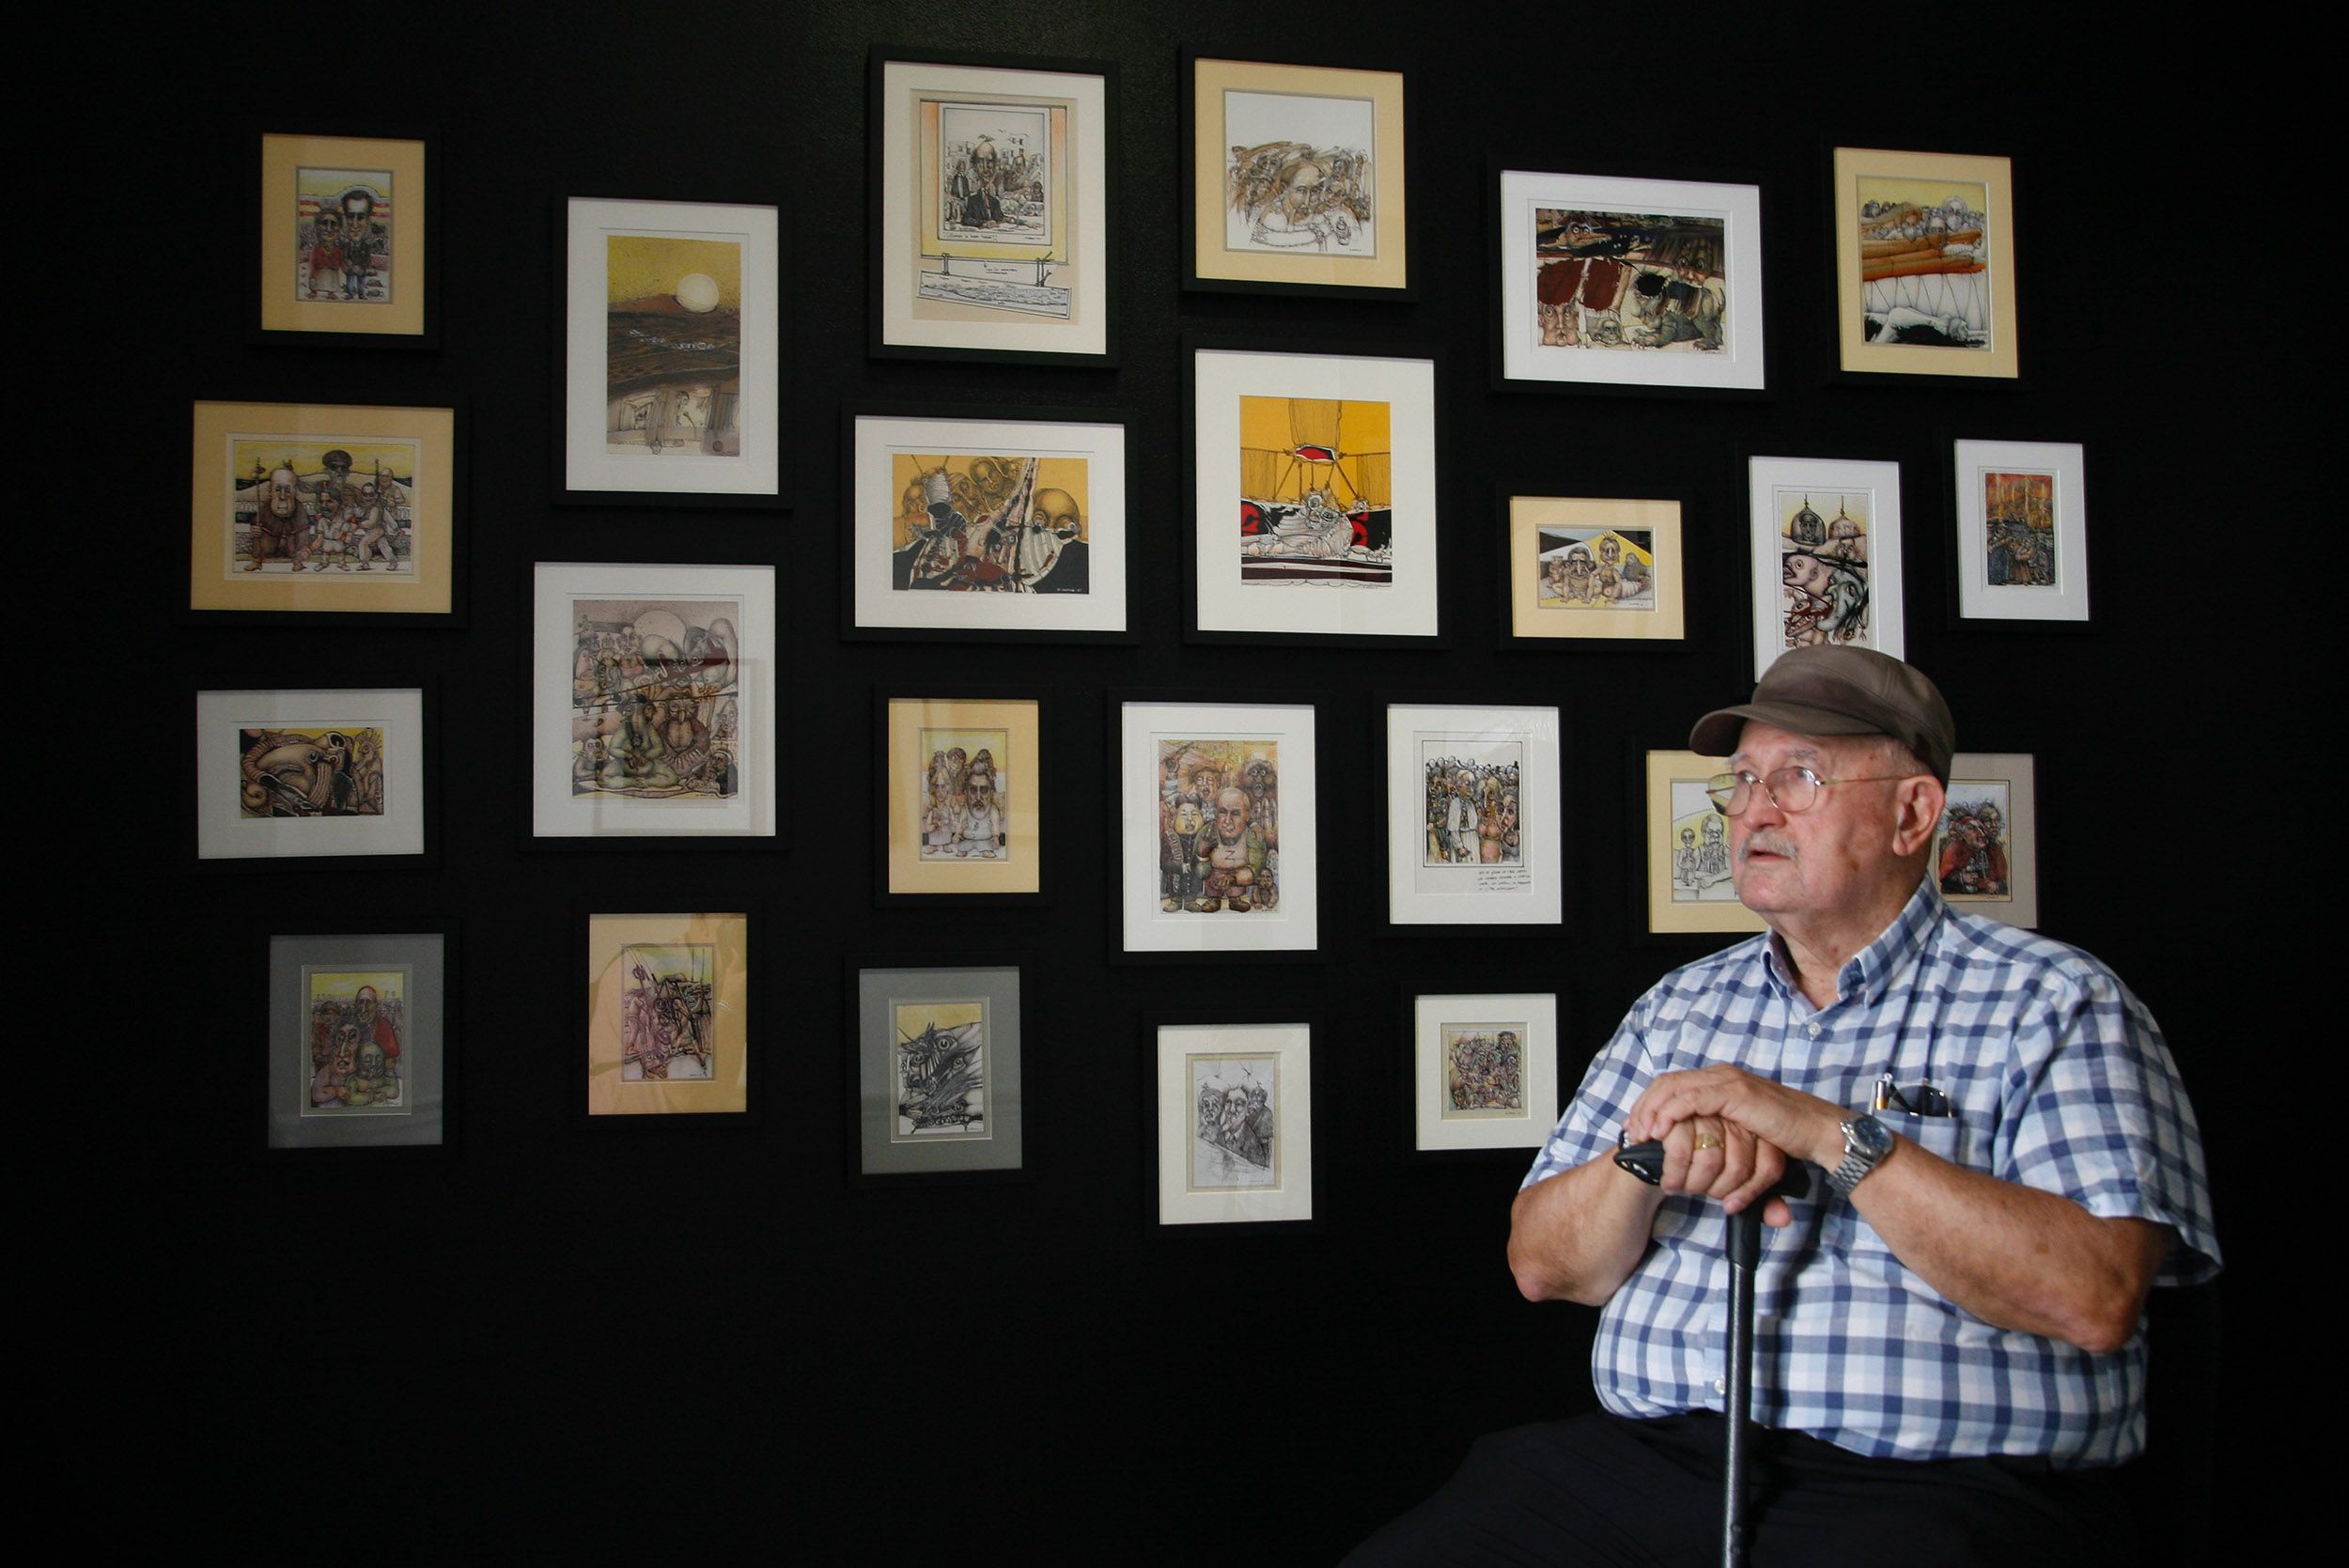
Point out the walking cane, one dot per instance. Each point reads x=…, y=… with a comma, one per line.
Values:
x=1646, y=1161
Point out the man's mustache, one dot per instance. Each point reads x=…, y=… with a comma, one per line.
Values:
x=1770, y=844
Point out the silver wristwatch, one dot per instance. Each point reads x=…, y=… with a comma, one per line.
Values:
x=1866, y=1141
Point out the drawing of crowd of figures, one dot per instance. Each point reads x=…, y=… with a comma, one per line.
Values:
x=655, y=687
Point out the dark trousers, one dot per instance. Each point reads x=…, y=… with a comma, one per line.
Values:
x=1601, y=1489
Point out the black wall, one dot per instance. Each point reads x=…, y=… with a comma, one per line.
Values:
x=690, y=1331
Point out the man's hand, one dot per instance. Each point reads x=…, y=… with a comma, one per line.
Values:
x=1760, y=1124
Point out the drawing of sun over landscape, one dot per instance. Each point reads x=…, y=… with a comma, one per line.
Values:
x=673, y=368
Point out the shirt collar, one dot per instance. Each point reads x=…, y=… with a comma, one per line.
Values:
x=1871, y=971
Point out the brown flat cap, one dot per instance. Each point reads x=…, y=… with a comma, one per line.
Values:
x=1840, y=690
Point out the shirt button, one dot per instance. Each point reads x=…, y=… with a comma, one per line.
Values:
x=1814, y=1031
x=1721, y=1385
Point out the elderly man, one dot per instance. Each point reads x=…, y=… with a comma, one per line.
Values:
x=1948, y=1342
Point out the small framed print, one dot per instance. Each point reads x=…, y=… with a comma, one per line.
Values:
x=937, y=1070
x=1473, y=816
x=1484, y=1070
x=652, y=702
x=1690, y=883
x=346, y=236
x=312, y=513
x=311, y=775
x=995, y=184
x=1216, y=840
x=1235, y=1122
x=961, y=802
x=2022, y=531
x=358, y=1046
x=1630, y=284
x=1924, y=264
x=1008, y=526
x=671, y=353
x=1314, y=500
x=1985, y=850
x=1297, y=179
x=667, y=1014
x=1583, y=568
x=1827, y=555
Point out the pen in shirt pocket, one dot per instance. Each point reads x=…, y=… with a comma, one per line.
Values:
x=1924, y=1100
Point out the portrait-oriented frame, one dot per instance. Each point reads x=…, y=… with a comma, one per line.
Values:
x=589, y=473
x=410, y=319
x=606, y=1092
x=1666, y=915
x=876, y=990
x=1525, y=362
x=558, y=817
x=1978, y=597
x=1880, y=482
x=1531, y=622
x=1526, y=1128
x=1529, y=892
x=2016, y=772
x=1293, y=924
x=423, y=1124
x=1207, y=138
x=904, y=873
x=1289, y=1197
x=429, y=593
x=877, y=609
x=1226, y=608
x=2002, y=359
x=901, y=76
x=224, y=835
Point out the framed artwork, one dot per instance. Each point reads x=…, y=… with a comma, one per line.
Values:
x=961, y=801
x=1473, y=816
x=1630, y=283
x=667, y=1012
x=671, y=353
x=1235, y=1122
x=1581, y=568
x=358, y=1046
x=1297, y=179
x=1827, y=555
x=291, y=774
x=345, y=255
x=995, y=186
x=2022, y=531
x=1315, y=498
x=1986, y=851
x=652, y=702
x=1006, y=526
x=1689, y=885
x=1483, y=1070
x=1215, y=814
x=309, y=513
x=938, y=1062
x=1924, y=264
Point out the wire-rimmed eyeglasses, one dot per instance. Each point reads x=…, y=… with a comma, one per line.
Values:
x=1791, y=789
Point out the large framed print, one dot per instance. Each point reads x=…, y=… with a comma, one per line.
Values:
x=1827, y=555
x=310, y=774
x=2022, y=530
x=1985, y=849
x=995, y=184
x=961, y=807
x=1690, y=886
x=1235, y=1122
x=1483, y=1070
x=1216, y=839
x=325, y=510
x=1315, y=495
x=1008, y=525
x=1924, y=264
x=671, y=353
x=1585, y=568
x=1473, y=816
x=1630, y=283
x=1297, y=175
x=347, y=256
x=938, y=1069
x=358, y=1040
x=652, y=702
x=667, y=1014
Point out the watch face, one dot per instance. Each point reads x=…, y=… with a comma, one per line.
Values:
x=1868, y=1137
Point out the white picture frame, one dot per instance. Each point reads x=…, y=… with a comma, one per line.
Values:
x=1467, y=860
x=2009, y=782
x=1206, y=1184
x=223, y=831
x=1437, y=1020
x=1779, y=491
x=2035, y=482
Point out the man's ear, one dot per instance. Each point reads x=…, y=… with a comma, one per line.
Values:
x=1917, y=804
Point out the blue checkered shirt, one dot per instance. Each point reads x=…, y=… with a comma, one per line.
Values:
x=2056, y=1077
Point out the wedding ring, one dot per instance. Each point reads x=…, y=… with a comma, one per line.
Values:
x=1707, y=1140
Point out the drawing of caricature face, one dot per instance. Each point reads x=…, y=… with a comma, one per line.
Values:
x=284, y=494
x=1231, y=814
